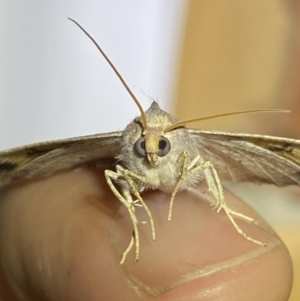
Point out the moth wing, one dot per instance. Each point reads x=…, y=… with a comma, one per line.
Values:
x=46, y=158
x=241, y=157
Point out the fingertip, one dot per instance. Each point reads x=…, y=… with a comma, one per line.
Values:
x=198, y=254
x=200, y=245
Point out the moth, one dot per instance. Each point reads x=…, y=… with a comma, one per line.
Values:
x=157, y=151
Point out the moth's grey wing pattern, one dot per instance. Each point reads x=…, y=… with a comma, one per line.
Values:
x=245, y=157
x=43, y=159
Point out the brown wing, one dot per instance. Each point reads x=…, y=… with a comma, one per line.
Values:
x=256, y=158
x=43, y=159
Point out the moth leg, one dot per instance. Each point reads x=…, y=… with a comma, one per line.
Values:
x=240, y=215
x=127, y=202
x=184, y=158
x=214, y=183
x=183, y=175
x=229, y=214
x=220, y=203
x=125, y=198
x=129, y=176
x=132, y=241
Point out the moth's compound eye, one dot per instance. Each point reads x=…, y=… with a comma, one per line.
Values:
x=140, y=147
x=164, y=146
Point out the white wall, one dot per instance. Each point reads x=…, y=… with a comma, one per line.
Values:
x=54, y=83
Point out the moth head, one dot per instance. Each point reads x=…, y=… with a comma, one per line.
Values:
x=153, y=143
x=152, y=147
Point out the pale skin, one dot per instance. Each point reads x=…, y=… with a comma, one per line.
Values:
x=62, y=239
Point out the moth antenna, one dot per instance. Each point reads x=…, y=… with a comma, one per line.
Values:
x=118, y=75
x=184, y=122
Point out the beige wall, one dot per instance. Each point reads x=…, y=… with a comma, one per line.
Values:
x=235, y=56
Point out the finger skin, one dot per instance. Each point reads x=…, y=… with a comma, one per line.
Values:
x=62, y=239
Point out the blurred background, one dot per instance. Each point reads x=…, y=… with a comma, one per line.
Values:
x=195, y=58
x=54, y=82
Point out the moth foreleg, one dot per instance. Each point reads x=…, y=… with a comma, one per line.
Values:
x=183, y=159
x=129, y=204
x=129, y=176
x=126, y=179
x=184, y=174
